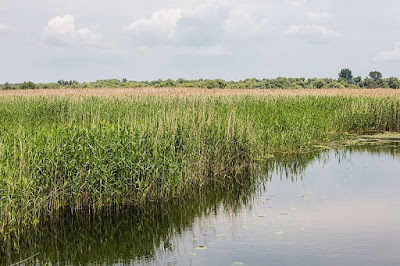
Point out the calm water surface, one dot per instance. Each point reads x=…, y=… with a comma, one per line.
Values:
x=336, y=208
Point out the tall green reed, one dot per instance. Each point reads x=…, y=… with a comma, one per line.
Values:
x=72, y=154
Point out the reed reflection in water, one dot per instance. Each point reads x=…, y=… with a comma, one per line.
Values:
x=333, y=207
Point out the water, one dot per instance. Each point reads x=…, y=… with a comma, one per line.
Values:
x=335, y=208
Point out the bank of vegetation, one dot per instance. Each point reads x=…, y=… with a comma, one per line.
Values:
x=345, y=80
x=94, y=153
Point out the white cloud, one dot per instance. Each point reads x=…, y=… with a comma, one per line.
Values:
x=312, y=15
x=161, y=26
x=311, y=31
x=61, y=31
x=3, y=27
x=203, y=25
x=389, y=55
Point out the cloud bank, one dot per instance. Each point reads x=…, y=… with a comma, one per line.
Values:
x=61, y=31
x=161, y=27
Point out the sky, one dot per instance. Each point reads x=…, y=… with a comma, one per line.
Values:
x=87, y=40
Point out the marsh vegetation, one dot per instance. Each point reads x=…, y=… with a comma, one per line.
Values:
x=91, y=153
x=279, y=202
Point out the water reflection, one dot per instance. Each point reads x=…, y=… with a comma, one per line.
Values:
x=333, y=207
x=119, y=236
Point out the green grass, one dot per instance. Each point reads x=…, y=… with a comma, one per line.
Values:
x=73, y=154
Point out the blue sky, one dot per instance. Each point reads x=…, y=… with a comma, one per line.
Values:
x=47, y=40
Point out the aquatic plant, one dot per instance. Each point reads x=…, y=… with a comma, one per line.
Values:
x=95, y=153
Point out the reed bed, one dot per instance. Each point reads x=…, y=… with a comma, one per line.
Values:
x=184, y=92
x=91, y=153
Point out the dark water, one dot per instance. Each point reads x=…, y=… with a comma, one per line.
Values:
x=335, y=208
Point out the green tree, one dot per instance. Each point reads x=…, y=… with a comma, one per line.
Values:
x=358, y=81
x=180, y=81
x=370, y=83
x=7, y=86
x=169, y=83
x=318, y=83
x=375, y=75
x=394, y=83
x=383, y=83
x=219, y=83
x=62, y=82
x=346, y=74
x=27, y=85
x=209, y=84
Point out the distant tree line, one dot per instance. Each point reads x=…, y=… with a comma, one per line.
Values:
x=345, y=80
